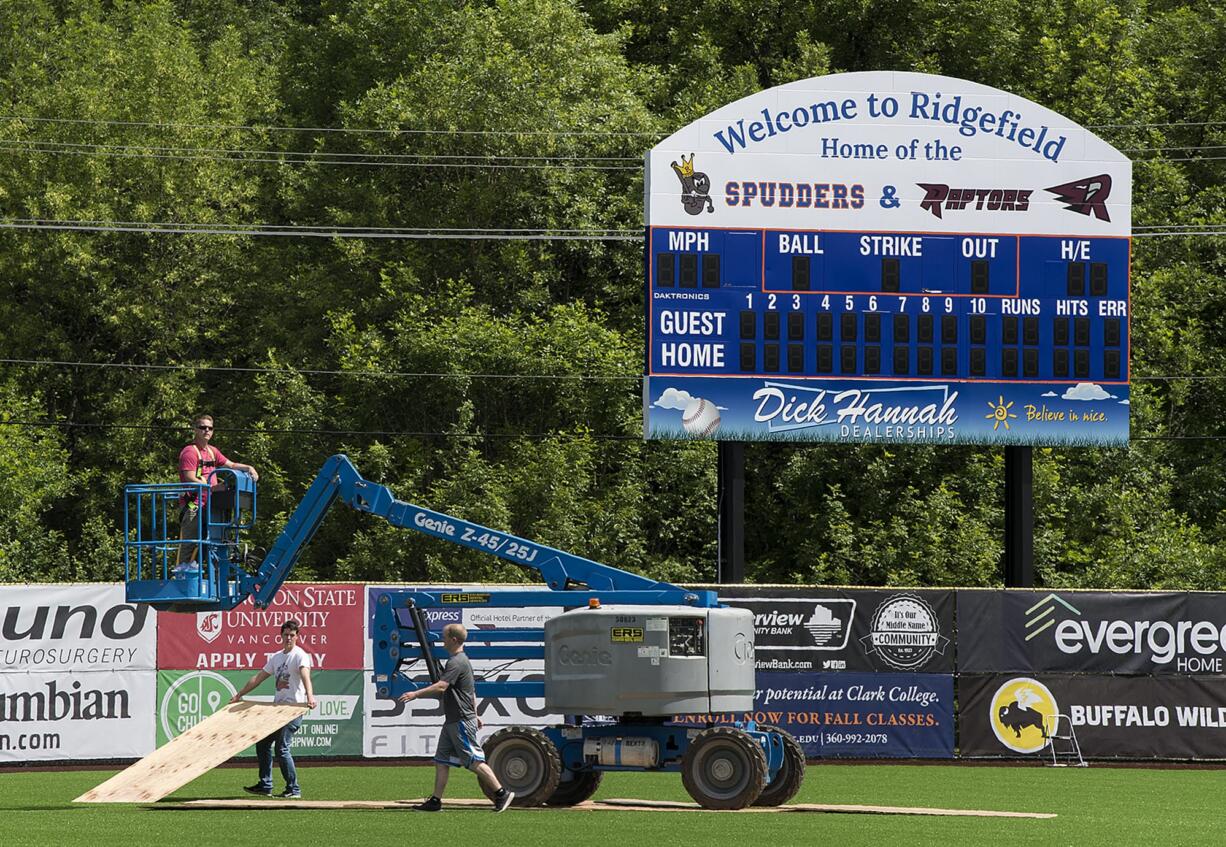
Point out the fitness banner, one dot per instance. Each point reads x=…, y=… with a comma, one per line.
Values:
x=330, y=616
x=856, y=715
x=411, y=729
x=1145, y=717
x=812, y=629
x=1091, y=632
x=332, y=728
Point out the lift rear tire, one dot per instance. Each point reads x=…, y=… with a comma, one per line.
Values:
x=526, y=762
x=791, y=774
x=572, y=792
x=724, y=768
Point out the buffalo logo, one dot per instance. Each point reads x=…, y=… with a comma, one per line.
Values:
x=695, y=187
x=208, y=625
x=1085, y=196
x=939, y=197
x=1023, y=715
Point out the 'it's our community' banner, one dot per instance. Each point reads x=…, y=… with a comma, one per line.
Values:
x=835, y=629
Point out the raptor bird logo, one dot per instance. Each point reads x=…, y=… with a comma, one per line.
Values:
x=1085, y=196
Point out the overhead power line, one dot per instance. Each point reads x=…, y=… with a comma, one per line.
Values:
x=341, y=130
x=475, y=132
x=427, y=433
x=635, y=377
x=427, y=234
x=304, y=231
x=315, y=372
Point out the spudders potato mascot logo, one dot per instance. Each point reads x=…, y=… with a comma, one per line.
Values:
x=1023, y=715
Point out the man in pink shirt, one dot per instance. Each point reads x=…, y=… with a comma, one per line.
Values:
x=196, y=462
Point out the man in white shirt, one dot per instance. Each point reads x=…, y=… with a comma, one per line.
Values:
x=291, y=670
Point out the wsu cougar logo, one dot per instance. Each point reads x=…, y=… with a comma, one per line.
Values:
x=208, y=625
x=1086, y=196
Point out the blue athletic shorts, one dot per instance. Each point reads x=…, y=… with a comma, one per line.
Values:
x=458, y=745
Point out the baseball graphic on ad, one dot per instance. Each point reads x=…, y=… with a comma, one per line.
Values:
x=700, y=418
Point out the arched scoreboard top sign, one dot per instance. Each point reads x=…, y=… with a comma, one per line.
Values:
x=887, y=257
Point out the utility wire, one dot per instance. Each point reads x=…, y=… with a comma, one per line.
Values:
x=425, y=434
x=584, y=377
x=478, y=132
x=324, y=159
x=297, y=231
x=427, y=234
x=312, y=372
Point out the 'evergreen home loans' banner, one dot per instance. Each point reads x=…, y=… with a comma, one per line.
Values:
x=1091, y=632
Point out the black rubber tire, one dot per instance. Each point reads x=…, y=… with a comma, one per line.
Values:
x=790, y=776
x=526, y=762
x=723, y=768
x=572, y=792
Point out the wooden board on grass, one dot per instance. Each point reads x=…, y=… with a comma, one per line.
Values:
x=206, y=745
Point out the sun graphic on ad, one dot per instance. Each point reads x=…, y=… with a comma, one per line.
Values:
x=1000, y=413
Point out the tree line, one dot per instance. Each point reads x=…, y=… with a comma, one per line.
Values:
x=498, y=379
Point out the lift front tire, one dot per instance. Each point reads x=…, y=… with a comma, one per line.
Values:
x=526, y=762
x=724, y=768
x=571, y=792
x=791, y=774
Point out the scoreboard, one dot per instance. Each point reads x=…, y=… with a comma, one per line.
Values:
x=797, y=293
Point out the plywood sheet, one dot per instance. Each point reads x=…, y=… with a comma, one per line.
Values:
x=198, y=750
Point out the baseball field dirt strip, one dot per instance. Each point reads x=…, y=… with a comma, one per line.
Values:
x=615, y=805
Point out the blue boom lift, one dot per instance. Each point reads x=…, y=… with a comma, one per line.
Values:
x=657, y=651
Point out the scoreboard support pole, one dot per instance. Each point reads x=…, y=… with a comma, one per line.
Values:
x=1019, y=517
x=731, y=493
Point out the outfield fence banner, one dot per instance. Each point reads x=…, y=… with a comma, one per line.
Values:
x=74, y=628
x=411, y=729
x=106, y=714
x=332, y=728
x=856, y=715
x=834, y=629
x=1125, y=717
x=1091, y=632
x=330, y=616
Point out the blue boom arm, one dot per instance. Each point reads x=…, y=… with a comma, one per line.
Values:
x=560, y=571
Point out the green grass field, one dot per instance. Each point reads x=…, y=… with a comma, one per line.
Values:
x=1097, y=805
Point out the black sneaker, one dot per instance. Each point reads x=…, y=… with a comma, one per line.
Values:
x=290, y=794
x=502, y=801
x=432, y=805
x=258, y=790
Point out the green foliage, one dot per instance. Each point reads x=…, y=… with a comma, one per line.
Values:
x=497, y=379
